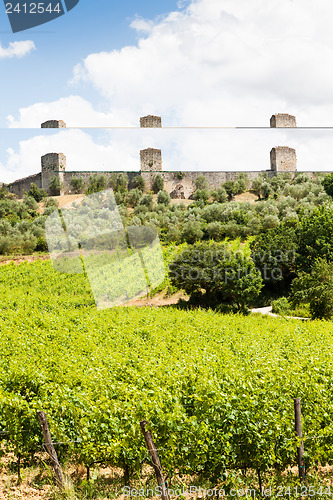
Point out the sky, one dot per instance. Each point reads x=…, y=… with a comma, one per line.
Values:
x=196, y=63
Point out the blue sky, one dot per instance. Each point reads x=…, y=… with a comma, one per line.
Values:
x=92, y=26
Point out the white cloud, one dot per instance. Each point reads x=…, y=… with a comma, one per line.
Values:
x=74, y=110
x=82, y=150
x=212, y=63
x=17, y=49
x=182, y=150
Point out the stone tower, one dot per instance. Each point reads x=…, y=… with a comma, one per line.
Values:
x=151, y=159
x=283, y=120
x=283, y=159
x=54, y=124
x=53, y=165
x=151, y=121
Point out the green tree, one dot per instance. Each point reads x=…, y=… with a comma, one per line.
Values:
x=132, y=198
x=216, y=276
x=173, y=234
x=122, y=182
x=220, y=195
x=55, y=186
x=242, y=182
x=230, y=187
x=315, y=234
x=77, y=185
x=216, y=231
x=192, y=231
x=118, y=182
x=37, y=193
x=266, y=189
x=201, y=195
x=316, y=289
x=163, y=198
x=256, y=186
x=201, y=182
x=139, y=183
x=274, y=254
x=30, y=202
x=158, y=183
x=327, y=183
x=97, y=182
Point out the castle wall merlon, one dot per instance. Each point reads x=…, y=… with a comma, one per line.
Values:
x=151, y=121
x=281, y=120
x=53, y=124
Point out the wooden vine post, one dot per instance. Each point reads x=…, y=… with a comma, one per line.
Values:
x=50, y=448
x=300, y=448
x=155, y=461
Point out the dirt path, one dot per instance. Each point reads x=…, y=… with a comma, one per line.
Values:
x=268, y=311
x=18, y=259
x=158, y=300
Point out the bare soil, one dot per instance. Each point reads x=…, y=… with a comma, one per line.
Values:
x=18, y=259
x=248, y=196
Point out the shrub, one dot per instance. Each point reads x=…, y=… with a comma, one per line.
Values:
x=51, y=202
x=119, y=198
x=281, y=306
x=77, y=185
x=146, y=200
x=270, y=221
x=158, y=183
x=49, y=210
x=173, y=234
x=141, y=209
x=37, y=193
x=215, y=231
x=163, y=198
x=30, y=202
x=192, y=232
x=97, y=183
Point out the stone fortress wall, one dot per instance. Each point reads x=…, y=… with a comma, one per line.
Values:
x=178, y=184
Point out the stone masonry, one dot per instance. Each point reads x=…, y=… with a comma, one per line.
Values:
x=53, y=165
x=283, y=120
x=151, y=160
x=178, y=184
x=151, y=121
x=283, y=159
x=54, y=124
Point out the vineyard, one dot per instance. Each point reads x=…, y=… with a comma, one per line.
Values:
x=217, y=390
